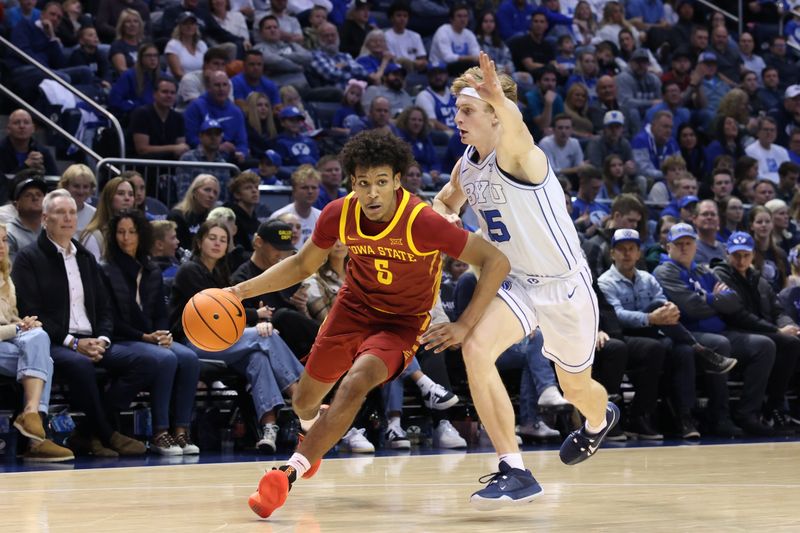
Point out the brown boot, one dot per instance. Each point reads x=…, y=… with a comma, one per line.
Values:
x=30, y=425
x=48, y=451
x=126, y=445
x=82, y=445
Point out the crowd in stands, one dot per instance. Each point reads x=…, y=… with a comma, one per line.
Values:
x=676, y=140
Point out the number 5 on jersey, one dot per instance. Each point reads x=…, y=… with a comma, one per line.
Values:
x=384, y=274
x=497, y=230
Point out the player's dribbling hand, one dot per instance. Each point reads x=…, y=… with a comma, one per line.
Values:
x=235, y=290
x=440, y=337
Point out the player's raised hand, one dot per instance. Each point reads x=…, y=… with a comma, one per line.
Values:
x=489, y=89
x=440, y=337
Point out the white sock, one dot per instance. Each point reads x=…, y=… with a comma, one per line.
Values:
x=300, y=464
x=394, y=421
x=514, y=460
x=425, y=384
x=592, y=430
x=305, y=425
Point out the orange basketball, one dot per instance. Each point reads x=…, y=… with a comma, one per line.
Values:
x=213, y=319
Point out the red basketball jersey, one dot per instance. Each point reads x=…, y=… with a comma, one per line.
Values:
x=395, y=267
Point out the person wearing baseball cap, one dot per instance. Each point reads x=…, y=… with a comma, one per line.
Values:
x=714, y=86
x=759, y=311
x=647, y=318
x=268, y=165
x=611, y=141
x=27, y=192
x=703, y=299
x=638, y=87
x=292, y=144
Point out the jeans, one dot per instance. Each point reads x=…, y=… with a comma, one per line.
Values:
x=130, y=370
x=178, y=371
x=537, y=374
x=28, y=356
x=267, y=362
x=756, y=355
x=392, y=392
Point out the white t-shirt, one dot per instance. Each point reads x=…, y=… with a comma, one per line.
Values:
x=568, y=156
x=188, y=61
x=448, y=45
x=406, y=45
x=306, y=224
x=768, y=160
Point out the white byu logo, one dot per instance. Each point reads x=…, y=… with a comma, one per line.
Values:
x=476, y=192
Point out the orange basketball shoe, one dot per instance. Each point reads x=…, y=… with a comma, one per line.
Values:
x=273, y=489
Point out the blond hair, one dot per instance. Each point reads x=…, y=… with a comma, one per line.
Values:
x=508, y=85
x=303, y=174
x=161, y=227
x=77, y=171
x=188, y=203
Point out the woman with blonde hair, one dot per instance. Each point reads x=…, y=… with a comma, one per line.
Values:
x=612, y=22
x=116, y=196
x=260, y=123
x=185, y=49
x=130, y=36
x=25, y=355
x=79, y=180
x=576, y=105
x=768, y=257
x=193, y=209
x=784, y=229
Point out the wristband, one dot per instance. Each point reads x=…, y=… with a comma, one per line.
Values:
x=75, y=344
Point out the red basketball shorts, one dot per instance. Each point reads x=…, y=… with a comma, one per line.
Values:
x=353, y=329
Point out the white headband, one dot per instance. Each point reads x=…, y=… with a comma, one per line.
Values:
x=469, y=91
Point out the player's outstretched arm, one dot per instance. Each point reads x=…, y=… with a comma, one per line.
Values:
x=449, y=200
x=516, y=151
x=285, y=274
x=494, y=267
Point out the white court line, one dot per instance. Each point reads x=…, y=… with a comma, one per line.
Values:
x=339, y=486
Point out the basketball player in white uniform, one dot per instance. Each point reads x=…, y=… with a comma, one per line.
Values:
x=509, y=184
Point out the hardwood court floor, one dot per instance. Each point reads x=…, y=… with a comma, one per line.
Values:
x=742, y=487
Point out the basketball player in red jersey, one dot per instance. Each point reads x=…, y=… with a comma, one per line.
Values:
x=395, y=243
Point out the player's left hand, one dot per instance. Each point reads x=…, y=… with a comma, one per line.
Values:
x=489, y=89
x=440, y=337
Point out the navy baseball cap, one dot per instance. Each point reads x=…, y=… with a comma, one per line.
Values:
x=686, y=200
x=273, y=157
x=622, y=235
x=440, y=66
x=394, y=67
x=740, y=241
x=290, y=112
x=681, y=230
x=210, y=124
x=707, y=57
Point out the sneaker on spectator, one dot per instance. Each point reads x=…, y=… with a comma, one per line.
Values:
x=164, y=444
x=355, y=441
x=640, y=427
x=30, y=425
x=780, y=420
x=269, y=434
x=538, y=430
x=396, y=438
x=713, y=363
x=125, y=445
x=580, y=444
x=186, y=445
x=725, y=428
x=551, y=397
x=752, y=425
x=446, y=436
x=439, y=398
x=47, y=451
x=507, y=486
x=686, y=427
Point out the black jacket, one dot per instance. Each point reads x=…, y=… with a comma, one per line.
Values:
x=131, y=321
x=193, y=277
x=43, y=290
x=757, y=306
x=9, y=164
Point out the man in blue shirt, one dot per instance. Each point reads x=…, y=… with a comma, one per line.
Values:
x=215, y=104
x=514, y=18
x=252, y=79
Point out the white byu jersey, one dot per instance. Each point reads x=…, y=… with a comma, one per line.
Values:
x=529, y=223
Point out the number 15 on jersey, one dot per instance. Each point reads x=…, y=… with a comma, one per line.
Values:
x=497, y=230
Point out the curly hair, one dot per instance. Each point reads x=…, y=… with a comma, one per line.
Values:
x=734, y=104
x=143, y=230
x=372, y=148
x=402, y=120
